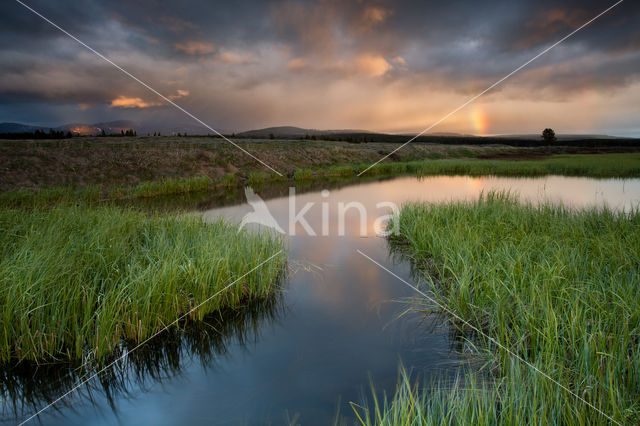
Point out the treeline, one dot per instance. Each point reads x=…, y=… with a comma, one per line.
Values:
x=123, y=132
x=38, y=134
x=359, y=138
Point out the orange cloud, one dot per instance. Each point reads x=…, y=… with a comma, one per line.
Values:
x=180, y=93
x=126, y=102
x=297, y=64
x=372, y=65
x=195, y=47
x=233, y=58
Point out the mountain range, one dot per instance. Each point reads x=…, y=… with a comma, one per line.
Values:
x=278, y=132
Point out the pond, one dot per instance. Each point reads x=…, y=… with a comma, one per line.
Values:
x=339, y=322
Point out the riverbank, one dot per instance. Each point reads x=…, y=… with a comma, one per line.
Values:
x=618, y=165
x=78, y=281
x=112, y=163
x=556, y=287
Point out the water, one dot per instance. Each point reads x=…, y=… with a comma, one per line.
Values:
x=312, y=349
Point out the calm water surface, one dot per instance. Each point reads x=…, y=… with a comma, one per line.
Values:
x=311, y=350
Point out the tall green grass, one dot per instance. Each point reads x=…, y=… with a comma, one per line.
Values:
x=592, y=165
x=172, y=186
x=303, y=174
x=77, y=281
x=340, y=171
x=558, y=287
x=49, y=196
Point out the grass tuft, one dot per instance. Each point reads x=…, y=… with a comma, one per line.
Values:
x=77, y=281
x=558, y=287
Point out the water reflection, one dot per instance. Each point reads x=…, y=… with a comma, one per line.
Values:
x=422, y=271
x=341, y=325
x=26, y=387
x=222, y=196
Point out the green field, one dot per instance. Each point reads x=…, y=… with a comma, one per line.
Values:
x=78, y=281
x=557, y=287
x=586, y=165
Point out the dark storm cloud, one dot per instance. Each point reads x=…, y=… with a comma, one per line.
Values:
x=254, y=46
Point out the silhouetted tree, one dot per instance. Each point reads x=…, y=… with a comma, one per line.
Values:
x=548, y=135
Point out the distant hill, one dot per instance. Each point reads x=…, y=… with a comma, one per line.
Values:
x=112, y=127
x=20, y=128
x=97, y=128
x=76, y=128
x=282, y=132
x=292, y=132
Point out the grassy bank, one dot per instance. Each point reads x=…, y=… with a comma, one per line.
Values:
x=77, y=281
x=592, y=165
x=123, y=162
x=560, y=288
x=598, y=165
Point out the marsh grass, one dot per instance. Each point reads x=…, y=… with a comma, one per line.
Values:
x=591, y=165
x=75, y=282
x=558, y=287
x=28, y=386
x=603, y=165
x=229, y=180
x=340, y=171
x=172, y=186
x=303, y=174
x=49, y=196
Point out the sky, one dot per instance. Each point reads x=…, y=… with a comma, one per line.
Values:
x=389, y=66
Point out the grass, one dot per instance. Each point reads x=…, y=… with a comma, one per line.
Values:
x=558, y=287
x=172, y=186
x=592, y=165
x=340, y=171
x=229, y=181
x=112, y=162
x=26, y=387
x=75, y=282
x=303, y=174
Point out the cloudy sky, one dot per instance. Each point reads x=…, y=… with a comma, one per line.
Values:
x=394, y=66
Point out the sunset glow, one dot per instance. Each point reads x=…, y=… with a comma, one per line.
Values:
x=480, y=121
x=382, y=66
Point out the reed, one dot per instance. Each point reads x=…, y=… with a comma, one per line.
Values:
x=171, y=186
x=303, y=174
x=558, y=287
x=75, y=282
x=340, y=171
x=600, y=166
